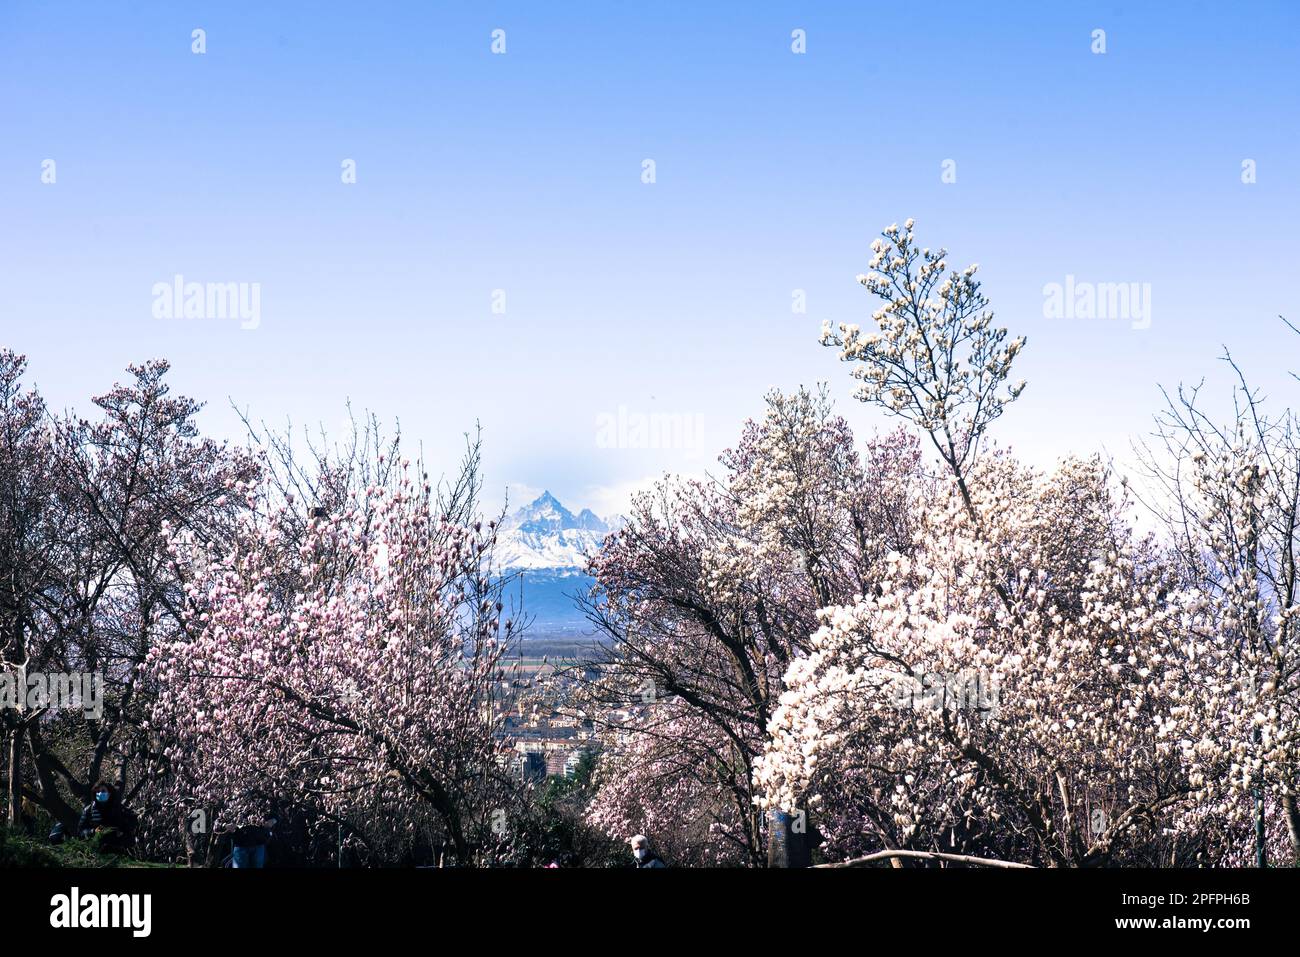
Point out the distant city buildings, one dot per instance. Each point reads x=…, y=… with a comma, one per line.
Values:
x=547, y=736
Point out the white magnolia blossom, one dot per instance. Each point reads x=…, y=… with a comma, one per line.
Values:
x=937, y=360
x=1017, y=672
x=1028, y=677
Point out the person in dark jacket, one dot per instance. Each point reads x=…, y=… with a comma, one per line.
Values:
x=106, y=815
x=250, y=845
x=644, y=856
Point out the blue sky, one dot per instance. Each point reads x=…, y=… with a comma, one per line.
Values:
x=522, y=172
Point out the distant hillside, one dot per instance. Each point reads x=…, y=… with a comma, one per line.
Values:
x=548, y=600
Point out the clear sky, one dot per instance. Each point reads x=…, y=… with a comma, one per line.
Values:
x=523, y=172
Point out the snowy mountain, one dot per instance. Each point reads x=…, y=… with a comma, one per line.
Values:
x=545, y=534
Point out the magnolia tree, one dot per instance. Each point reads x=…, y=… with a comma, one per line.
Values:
x=675, y=776
x=88, y=589
x=1230, y=497
x=1003, y=693
x=1023, y=683
x=936, y=360
x=339, y=658
x=30, y=520
x=709, y=593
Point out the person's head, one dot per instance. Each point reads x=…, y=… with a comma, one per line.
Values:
x=640, y=847
x=103, y=792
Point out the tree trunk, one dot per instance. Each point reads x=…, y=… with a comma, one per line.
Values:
x=14, y=784
x=787, y=841
x=47, y=765
x=1292, y=812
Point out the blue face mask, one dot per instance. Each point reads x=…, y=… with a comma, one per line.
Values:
x=101, y=797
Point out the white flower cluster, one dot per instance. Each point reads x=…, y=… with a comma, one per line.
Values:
x=937, y=360
x=1050, y=600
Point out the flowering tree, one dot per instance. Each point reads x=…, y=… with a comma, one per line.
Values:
x=1229, y=495
x=340, y=655
x=709, y=593
x=1001, y=695
x=937, y=360
x=88, y=586
x=675, y=776
x=27, y=510
x=1009, y=689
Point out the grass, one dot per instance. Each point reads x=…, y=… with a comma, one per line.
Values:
x=18, y=849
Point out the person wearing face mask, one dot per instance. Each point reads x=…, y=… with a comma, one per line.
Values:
x=644, y=856
x=106, y=815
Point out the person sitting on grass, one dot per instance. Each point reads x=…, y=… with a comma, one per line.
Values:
x=106, y=815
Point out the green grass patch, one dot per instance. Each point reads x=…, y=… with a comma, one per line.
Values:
x=18, y=849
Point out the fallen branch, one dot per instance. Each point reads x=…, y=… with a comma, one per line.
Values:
x=927, y=855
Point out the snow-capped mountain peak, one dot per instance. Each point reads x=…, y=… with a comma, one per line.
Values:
x=590, y=520
x=545, y=534
x=544, y=514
